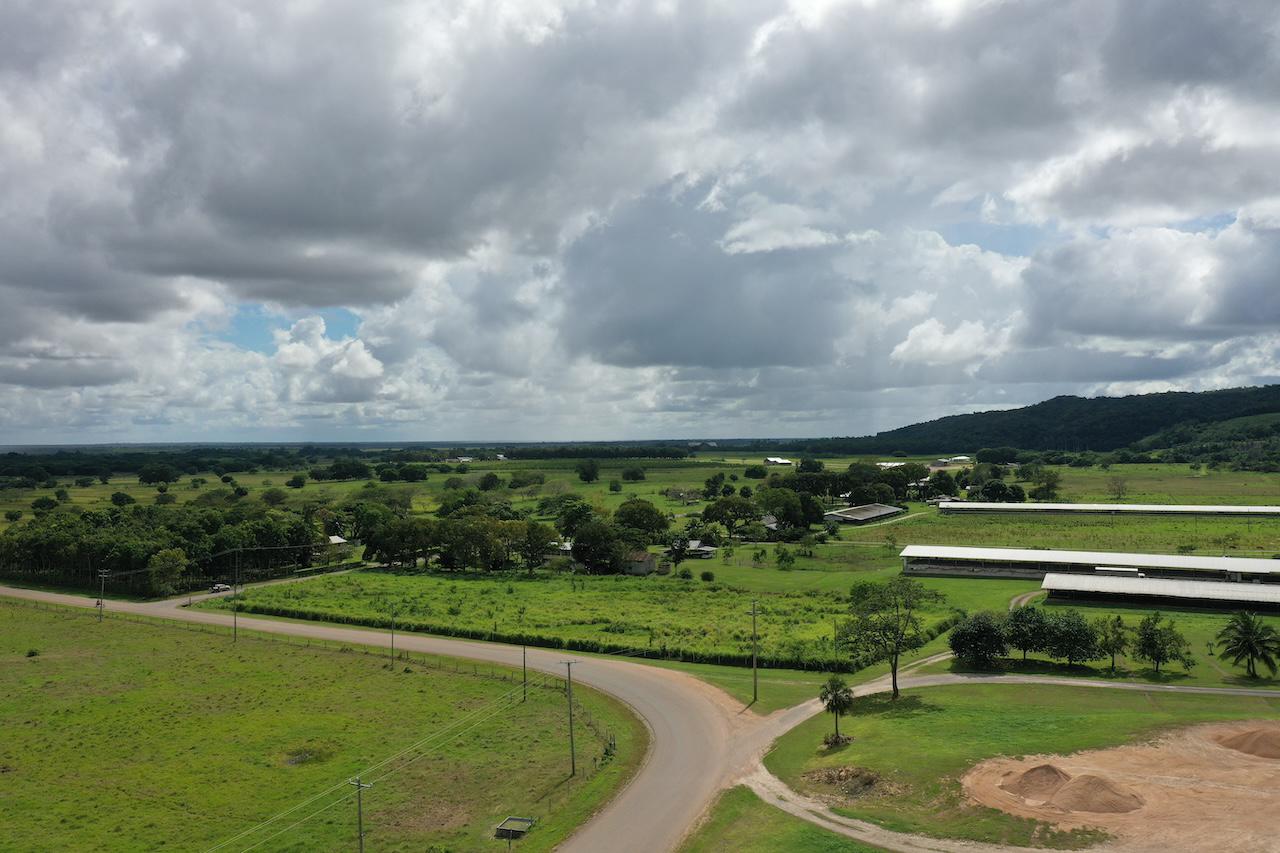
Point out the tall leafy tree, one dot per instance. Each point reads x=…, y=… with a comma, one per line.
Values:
x=1025, y=630
x=886, y=619
x=1114, y=637
x=1071, y=638
x=1159, y=642
x=979, y=639
x=1247, y=638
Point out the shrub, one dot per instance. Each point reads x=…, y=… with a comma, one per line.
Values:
x=122, y=499
x=684, y=574
x=755, y=472
x=297, y=481
x=708, y=576
x=633, y=474
x=615, y=486
x=44, y=503
x=32, y=653
x=164, y=498
x=12, y=514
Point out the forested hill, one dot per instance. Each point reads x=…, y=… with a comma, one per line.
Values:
x=1066, y=423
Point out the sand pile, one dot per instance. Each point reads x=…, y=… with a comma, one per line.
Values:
x=1264, y=743
x=1088, y=793
x=1039, y=783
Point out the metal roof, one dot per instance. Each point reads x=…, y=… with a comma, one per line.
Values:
x=864, y=512
x=1257, y=593
x=1184, y=509
x=1245, y=565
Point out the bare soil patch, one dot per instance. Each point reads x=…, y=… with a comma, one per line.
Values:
x=1212, y=787
x=850, y=782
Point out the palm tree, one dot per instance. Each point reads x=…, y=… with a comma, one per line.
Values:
x=837, y=698
x=1247, y=638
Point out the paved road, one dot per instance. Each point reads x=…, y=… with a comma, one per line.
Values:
x=701, y=740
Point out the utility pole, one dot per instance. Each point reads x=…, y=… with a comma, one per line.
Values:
x=393, y=638
x=524, y=673
x=235, y=603
x=102, y=591
x=573, y=755
x=755, y=653
x=360, y=786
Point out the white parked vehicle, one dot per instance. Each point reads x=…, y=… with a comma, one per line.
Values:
x=220, y=587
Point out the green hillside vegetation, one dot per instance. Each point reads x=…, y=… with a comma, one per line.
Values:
x=124, y=736
x=740, y=822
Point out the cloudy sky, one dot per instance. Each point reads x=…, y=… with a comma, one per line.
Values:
x=398, y=220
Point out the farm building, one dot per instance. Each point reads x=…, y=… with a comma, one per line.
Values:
x=696, y=549
x=776, y=460
x=862, y=514
x=888, y=465
x=953, y=561
x=960, y=507
x=1166, y=591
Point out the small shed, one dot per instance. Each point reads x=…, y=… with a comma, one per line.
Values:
x=640, y=563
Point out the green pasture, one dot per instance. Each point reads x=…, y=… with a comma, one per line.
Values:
x=921, y=745
x=740, y=822
x=127, y=735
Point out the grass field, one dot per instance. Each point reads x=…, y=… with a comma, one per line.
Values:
x=922, y=744
x=126, y=736
x=740, y=822
x=662, y=616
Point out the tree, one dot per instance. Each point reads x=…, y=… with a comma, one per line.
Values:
x=1071, y=638
x=274, y=497
x=1159, y=642
x=678, y=550
x=164, y=569
x=573, y=515
x=297, y=481
x=1247, y=638
x=44, y=503
x=810, y=466
x=597, y=545
x=588, y=470
x=638, y=514
x=942, y=483
x=1048, y=481
x=837, y=698
x=533, y=546
x=1114, y=637
x=885, y=619
x=782, y=504
x=615, y=485
x=489, y=482
x=979, y=640
x=454, y=483
x=122, y=498
x=1117, y=487
x=731, y=511
x=12, y=514
x=1025, y=629
x=633, y=475
x=755, y=472
x=158, y=472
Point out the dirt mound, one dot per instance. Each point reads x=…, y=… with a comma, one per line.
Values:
x=1264, y=743
x=850, y=781
x=1089, y=793
x=1039, y=783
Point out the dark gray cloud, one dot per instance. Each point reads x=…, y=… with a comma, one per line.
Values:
x=708, y=217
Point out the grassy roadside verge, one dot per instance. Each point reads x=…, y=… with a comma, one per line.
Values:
x=145, y=735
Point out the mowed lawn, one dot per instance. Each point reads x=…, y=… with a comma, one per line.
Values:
x=922, y=744
x=124, y=736
x=740, y=822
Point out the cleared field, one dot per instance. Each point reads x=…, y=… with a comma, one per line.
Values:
x=911, y=754
x=740, y=822
x=126, y=736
